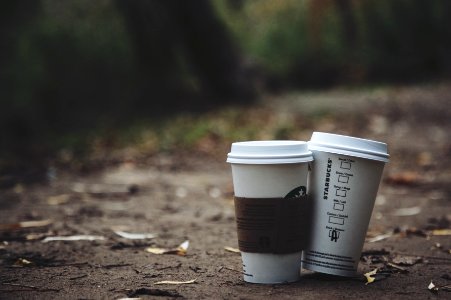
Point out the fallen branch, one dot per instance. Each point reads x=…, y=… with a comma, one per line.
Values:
x=29, y=287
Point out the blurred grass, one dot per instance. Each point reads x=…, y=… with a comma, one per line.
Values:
x=269, y=31
x=317, y=42
x=69, y=45
x=385, y=113
x=208, y=134
x=74, y=89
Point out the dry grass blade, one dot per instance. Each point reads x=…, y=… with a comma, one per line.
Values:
x=74, y=238
x=135, y=236
x=25, y=224
x=376, y=275
x=379, y=238
x=407, y=211
x=40, y=223
x=175, y=282
x=180, y=250
x=369, y=276
x=441, y=232
x=58, y=199
x=231, y=249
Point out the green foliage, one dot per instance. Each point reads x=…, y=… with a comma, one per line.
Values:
x=270, y=31
x=387, y=40
x=71, y=73
x=69, y=39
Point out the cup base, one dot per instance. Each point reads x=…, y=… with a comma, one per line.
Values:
x=329, y=271
x=268, y=268
x=271, y=282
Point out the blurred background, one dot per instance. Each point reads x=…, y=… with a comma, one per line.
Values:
x=87, y=83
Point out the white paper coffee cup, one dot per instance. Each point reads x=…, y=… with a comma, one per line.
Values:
x=345, y=178
x=264, y=170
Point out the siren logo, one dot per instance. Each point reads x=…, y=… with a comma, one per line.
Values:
x=334, y=234
x=326, y=185
x=298, y=192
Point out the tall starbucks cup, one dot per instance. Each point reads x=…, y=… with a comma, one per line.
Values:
x=345, y=178
x=270, y=186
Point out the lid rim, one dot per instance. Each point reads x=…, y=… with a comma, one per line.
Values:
x=348, y=137
x=269, y=152
x=348, y=145
x=267, y=161
x=350, y=149
x=231, y=155
x=354, y=154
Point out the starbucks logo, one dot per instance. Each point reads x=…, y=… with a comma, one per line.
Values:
x=298, y=192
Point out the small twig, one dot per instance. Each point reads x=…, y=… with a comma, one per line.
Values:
x=110, y=266
x=446, y=287
x=428, y=257
x=78, y=277
x=395, y=266
x=169, y=267
x=20, y=285
x=48, y=290
x=30, y=287
x=196, y=269
x=58, y=266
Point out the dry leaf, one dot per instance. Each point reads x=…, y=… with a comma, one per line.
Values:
x=425, y=159
x=40, y=223
x=74, y=238
x=155, y=250
x=183, y=248
x=406, y=260
x=379, y=237
x=231, y=249
x=411, y=231
x=400, y=269
x=103, y=189
x=35, y=236
x=22, y=262
x=369, y=276
x=376, y=275
x=135, y=236
x=175, y=282
x=180, y=250
x=25, y=224
x=59, y=199
x=441, y=232
x=408, y=211
x=435, y=288
x=432, y=287
x=403, y=178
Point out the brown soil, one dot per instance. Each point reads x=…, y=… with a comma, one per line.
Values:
x=186, y=197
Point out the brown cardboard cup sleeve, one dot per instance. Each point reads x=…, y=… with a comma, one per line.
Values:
x=270, y=225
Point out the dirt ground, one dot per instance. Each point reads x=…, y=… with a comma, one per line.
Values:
x=183, y=196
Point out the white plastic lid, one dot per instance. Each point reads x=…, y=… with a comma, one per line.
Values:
x=347, y=145
x=269, y=152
